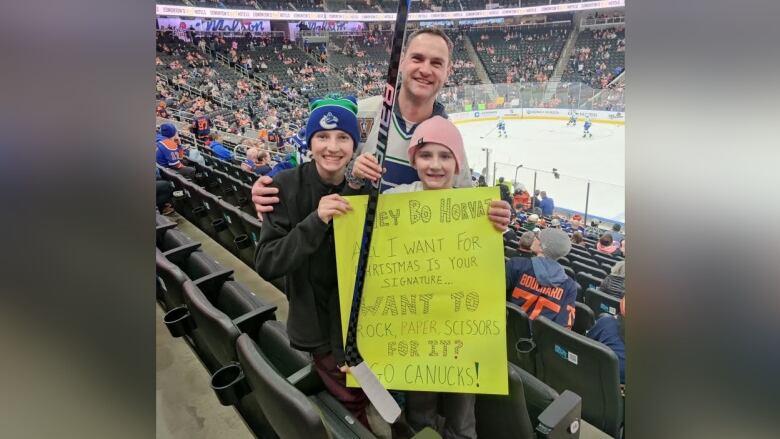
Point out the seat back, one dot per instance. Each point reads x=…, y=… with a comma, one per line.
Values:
x=585, y=260
x=275, y=344
x=291, y=413
x=570, y=361
x=172, y=279
x=583, y=318
x=518, y=329
x=505, y=416
x=233, y=218
x=601, y=302
x=603, y=259
x=214, y=328
x=579, y=267
x=569, y=272
x=587, y=280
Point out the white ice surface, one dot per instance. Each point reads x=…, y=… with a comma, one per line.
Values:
x=547, y=144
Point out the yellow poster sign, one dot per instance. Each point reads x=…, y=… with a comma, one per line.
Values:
x=433, y=313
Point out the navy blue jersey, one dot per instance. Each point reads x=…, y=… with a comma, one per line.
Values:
x=556, y=302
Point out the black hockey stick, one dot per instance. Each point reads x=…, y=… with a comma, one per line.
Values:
x=382, y=400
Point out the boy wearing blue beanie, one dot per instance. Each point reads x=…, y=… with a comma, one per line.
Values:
x=300, y=230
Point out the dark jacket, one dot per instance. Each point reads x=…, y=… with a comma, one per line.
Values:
x=295, y=243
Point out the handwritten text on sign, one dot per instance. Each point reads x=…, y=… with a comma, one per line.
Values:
x=433, y=311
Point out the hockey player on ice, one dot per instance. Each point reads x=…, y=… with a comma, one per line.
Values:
x=587, y=132
x=501, y=126
x=572, y=120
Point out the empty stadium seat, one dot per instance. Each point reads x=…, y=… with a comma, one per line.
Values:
x=519, y=343
x=221, y=311
x=567, y=360
x=290, y=412
x=591, y=267
x=604, y=259
x=583, y=318
x=171, y=293
x=505, y=416
x=569, y=272
x=514, y=416
x=601, y=302
x=585, y=281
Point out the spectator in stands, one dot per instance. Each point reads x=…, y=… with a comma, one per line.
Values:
x=170, y=153
x=201, y=126
x=161, y=110
x=219, y=150
x=531, y=221
x=437, y=153
x=539, y=285
x=510, y=235
x=257, y=161
x=300, y=230
x=578, y=239
x=524, y=245
x=614, y=283
x=164, y=194
x=576, y=223
x=611, y=331
x=607, y=246
x=425, y=65
x=546, y=204
x=616, y=235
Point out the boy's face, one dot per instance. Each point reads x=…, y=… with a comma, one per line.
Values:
x=331, y=150
x=435, y=166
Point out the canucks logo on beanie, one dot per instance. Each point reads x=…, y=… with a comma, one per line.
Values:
x=329, y=121
x=333, y=113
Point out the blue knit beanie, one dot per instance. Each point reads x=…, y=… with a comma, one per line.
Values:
x=167, y=130
x=333, y=113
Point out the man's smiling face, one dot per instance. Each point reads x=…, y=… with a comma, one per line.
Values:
x=425, y=66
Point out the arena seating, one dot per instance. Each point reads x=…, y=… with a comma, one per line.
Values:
x=601, y=54
x=520, y=53
x=567, y=360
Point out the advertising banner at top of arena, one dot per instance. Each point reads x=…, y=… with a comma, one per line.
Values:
x=188, y=11
x=213, y=25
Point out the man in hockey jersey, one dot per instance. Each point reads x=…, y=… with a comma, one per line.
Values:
x=539, y=285
x=572, y=120
x=170, y=152
x=201, y=126
x=587, y=128
x=424, y=68
x=501, y=126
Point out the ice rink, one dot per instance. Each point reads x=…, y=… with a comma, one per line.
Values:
x=547, y=144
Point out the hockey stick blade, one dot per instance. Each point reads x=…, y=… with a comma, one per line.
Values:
x=382, y=400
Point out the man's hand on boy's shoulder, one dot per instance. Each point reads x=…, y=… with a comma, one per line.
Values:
x=263, y=196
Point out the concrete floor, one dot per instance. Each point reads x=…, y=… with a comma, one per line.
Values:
x=186, y=405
